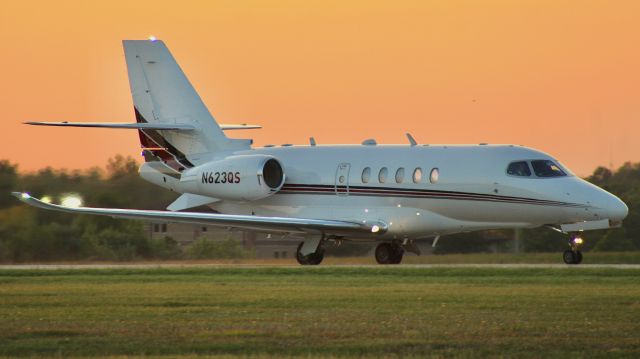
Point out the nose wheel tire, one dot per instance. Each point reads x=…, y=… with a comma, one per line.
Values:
x=314, y=258
x=571, y=257
x=388, y=253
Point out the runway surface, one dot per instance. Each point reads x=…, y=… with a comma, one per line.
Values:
x=233, y=265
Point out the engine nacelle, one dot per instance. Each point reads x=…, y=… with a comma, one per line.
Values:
x=238, y=178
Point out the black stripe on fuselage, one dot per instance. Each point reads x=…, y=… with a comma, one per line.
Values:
x=290, y=188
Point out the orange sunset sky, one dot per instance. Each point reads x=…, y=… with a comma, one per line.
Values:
x=560, y=76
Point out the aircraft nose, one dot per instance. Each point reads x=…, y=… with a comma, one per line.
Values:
x=615, y=209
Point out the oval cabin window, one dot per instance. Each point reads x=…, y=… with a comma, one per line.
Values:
x=382, y=175
x=417, y=175
x=366, y=174
x=435, y=175
x=400, y=175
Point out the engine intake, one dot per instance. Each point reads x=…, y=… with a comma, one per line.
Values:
x=272, y=173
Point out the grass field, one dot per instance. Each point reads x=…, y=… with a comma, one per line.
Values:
x=629, y=257
x=321, y=312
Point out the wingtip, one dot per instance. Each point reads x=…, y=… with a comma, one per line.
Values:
x=21, y=195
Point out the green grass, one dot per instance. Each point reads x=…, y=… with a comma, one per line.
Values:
x=321, y=312
x=631, y=257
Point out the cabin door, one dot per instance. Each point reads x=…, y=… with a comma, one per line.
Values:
x=342, y=179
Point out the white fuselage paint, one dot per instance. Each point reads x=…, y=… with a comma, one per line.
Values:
x=473, y=191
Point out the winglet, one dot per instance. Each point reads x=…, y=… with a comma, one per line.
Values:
x=32, y=201
x=23, y=196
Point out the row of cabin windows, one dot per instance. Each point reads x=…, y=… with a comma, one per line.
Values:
x=383, y=175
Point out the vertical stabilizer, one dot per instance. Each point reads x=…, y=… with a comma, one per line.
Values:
x=162, y=94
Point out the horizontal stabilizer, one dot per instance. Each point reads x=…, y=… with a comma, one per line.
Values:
x=140, y=126
x=250, y=222
x=135, y=126
x=189, y=200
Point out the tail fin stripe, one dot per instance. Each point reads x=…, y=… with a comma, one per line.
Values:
x=163, y=150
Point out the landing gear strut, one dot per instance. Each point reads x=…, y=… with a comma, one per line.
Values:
x=573, y=255
x=389, y=253
x=310, y=259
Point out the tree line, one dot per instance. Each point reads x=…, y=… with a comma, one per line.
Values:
x=30, y=234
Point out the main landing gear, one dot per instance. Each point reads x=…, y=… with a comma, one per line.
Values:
x=389, y=253
x=573, y=255
x=313, y=258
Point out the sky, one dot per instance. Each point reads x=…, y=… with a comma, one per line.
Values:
x=559, y=76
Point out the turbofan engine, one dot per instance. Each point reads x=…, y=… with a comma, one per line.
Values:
x=238, y=178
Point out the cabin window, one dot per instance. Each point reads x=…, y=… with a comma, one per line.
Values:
x=435, y=175
x=547, y=168
x=382, y=175
x=400, y=175
x=520, y=168
x=417, y=175
x=366, y=174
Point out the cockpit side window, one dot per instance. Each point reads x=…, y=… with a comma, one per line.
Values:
x=519, y=168
x=547, y=168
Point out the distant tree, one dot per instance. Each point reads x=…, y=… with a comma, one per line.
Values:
x=123, y=242
x=600, y=176
x=544, y=240
x=349, y=249
x=16, y=224
x=624, y=183
x=120, y=166
x=469, y=242
x=205, y=248
x=8, y=180
x=614, y=241
x=165, y=248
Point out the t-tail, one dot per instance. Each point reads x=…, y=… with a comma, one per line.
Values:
x=162, y=95
x=176, y=129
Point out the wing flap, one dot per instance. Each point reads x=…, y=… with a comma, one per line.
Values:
x=257, y=223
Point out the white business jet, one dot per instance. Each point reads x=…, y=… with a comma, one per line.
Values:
x=322, y=195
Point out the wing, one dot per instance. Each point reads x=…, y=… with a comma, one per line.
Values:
x=257, y=223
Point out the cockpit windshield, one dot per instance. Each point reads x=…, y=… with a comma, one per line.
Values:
x=520, y=168
x=547, y=168
x=541, y=169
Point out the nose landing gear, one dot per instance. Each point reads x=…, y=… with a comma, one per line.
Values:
x=573, y=255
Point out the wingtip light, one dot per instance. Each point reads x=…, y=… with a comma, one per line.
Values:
x=152, y=38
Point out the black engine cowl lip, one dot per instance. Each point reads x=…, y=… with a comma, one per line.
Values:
x=272, y=173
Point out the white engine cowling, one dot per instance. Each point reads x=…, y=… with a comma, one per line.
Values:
x=238, y=178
